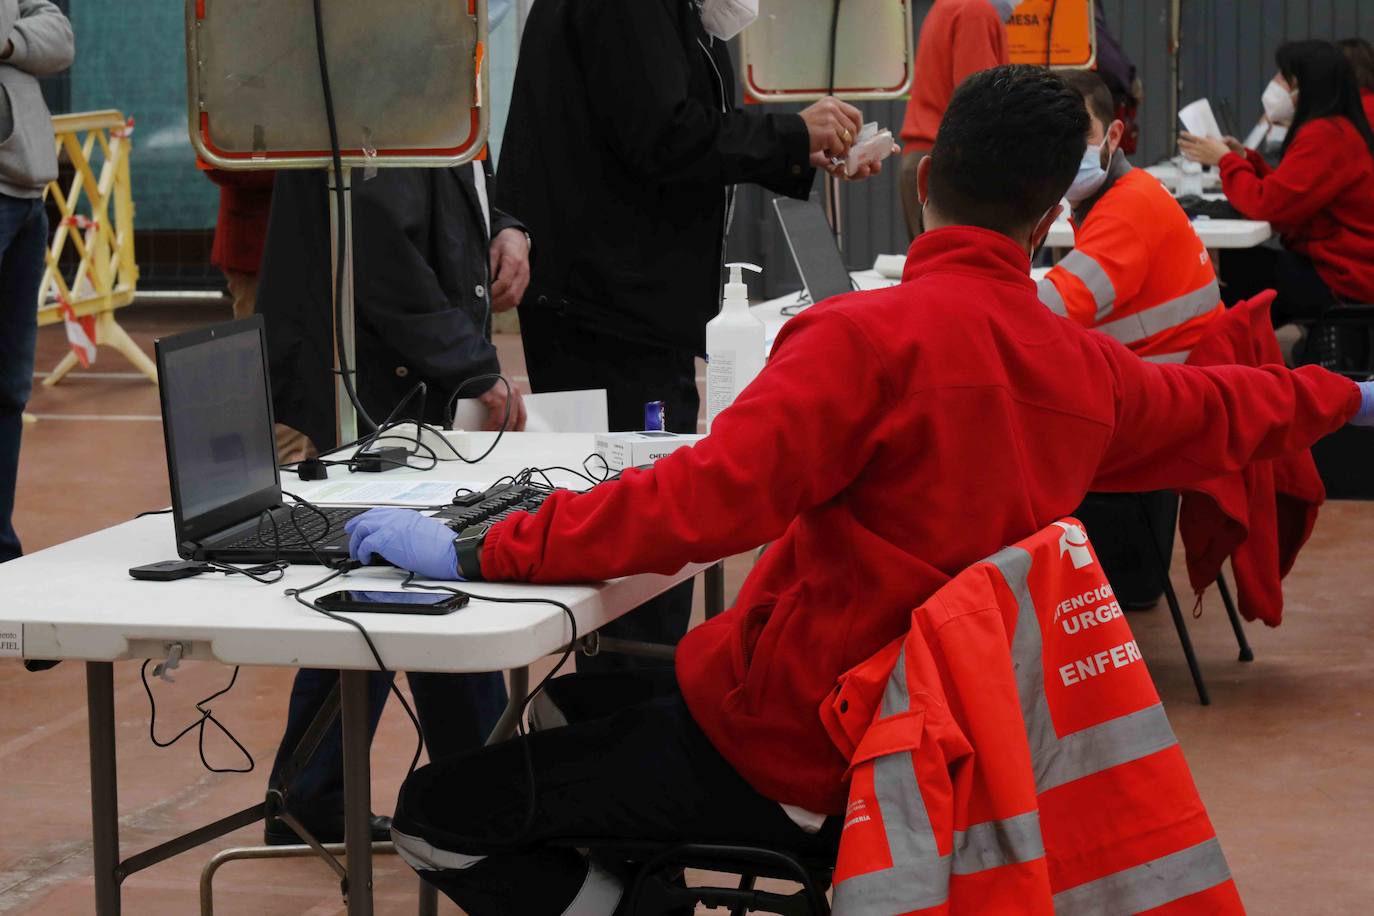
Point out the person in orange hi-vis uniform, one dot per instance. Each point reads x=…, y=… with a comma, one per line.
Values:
x=1010, y=755
x=1138, y=271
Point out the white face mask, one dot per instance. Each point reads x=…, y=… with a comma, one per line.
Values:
x=1278, y=104
x=1005, y=7
x=725, y=19
x=1091, y=175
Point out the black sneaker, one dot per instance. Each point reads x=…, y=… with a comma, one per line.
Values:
x=277, y=833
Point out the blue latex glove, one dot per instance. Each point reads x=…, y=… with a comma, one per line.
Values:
x=404, y=538
x=1365, y=415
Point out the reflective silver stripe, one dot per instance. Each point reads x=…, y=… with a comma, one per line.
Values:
x=1049, y=294
x=599, y=895
x=422, y=856
x=896, y=700
x=1094, y=277
x=1144, y=887
x=1059, y=760
x=1149, y=322
x=919, y=876
x=993, y=844
x=1179, y=357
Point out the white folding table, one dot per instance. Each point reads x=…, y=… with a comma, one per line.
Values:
x=76, y=601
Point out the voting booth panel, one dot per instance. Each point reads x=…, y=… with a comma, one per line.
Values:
x=408, y=82
x=787, y=51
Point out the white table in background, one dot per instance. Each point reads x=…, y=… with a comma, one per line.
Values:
x=76, y=601
x=1216, y=234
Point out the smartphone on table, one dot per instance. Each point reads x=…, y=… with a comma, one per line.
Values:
x=358, y=601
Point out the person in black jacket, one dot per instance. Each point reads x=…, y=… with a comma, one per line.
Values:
x=622, y=147
x=431, y=262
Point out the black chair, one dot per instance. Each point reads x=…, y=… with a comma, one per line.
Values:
x=1341, y=339
x=657, y=887
x=1156, y=556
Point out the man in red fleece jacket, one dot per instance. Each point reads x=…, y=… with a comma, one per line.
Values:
x=894, y=438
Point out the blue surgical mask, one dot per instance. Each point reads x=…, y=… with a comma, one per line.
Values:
x=1091, y=175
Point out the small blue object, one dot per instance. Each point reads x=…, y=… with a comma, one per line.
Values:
x=1365, y=415
x=655, y=416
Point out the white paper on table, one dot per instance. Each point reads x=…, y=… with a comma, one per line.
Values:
x=550, y=412
x=1198, y=119
x=389, y=492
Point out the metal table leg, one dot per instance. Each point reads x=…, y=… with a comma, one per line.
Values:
x=357, y=792
x=510, y=719
x=104, y=794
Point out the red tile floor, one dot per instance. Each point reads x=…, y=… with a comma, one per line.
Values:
x=1283, y=757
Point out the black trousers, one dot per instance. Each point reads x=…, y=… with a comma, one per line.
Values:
x=1302, y=293
x=456, y=711
x=644, y=773
x=566, y=355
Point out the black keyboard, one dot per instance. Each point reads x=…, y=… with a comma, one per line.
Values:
x=311, y=527
x=492, y=506
x=1196, y=206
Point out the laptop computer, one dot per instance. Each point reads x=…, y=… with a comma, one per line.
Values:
x=813, y=248
x=222, y=454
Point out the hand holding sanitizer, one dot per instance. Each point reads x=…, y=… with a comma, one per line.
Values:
x=735, y=342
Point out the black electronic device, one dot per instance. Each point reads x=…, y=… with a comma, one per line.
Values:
x=170, y=570
x=375, y=602
x=1211, y=208
x=492, y=505
x=813, y=248
x=222, y=454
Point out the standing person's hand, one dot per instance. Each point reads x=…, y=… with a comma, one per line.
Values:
x=1206, y=150
x=832, y=125
x=496, y=399
x=1234, y=145
x=510, y=269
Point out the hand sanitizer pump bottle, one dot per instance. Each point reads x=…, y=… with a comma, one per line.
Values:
x=735, y=342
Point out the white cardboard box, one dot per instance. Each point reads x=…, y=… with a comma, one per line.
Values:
x=628, y=450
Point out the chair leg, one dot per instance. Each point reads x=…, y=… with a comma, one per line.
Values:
x=746, y=883
x=1162, y=568
x=1245, y=654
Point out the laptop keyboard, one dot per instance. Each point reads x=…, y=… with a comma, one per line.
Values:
x=310, y=528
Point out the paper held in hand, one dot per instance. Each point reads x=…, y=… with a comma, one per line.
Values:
x=1198, y=120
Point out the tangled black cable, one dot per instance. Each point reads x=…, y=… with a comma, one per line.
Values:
x=206, y=715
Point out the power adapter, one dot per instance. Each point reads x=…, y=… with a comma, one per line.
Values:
x=375, y=460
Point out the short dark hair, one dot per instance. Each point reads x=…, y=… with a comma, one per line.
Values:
x=1095, y=94
x=1360, y=53
x=1007, y=149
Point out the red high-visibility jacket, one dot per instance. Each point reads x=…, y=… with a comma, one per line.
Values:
x=1138, y=271
x=1320, y=199
x=1010, y=755
x=1258, y=518
x=894, y=438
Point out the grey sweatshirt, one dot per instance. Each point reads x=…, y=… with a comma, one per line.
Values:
x=42, y=40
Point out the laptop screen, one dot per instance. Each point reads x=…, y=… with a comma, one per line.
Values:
x=218, y=419
x=813, y=248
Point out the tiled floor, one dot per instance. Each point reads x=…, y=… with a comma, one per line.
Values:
x=1283, y=757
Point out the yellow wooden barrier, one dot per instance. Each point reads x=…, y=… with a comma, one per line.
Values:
x=101, y=233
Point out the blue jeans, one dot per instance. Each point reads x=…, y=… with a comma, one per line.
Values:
x=456, y=713
x=23, y=239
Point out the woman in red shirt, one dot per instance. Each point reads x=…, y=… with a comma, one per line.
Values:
x=1320, y=199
